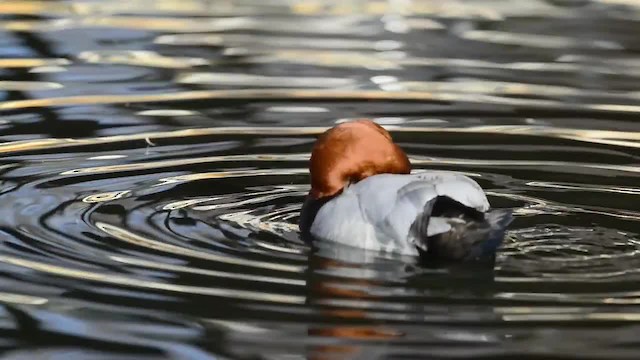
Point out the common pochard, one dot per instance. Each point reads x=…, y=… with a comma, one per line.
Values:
x=364, y=195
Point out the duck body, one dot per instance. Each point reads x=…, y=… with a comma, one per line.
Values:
x=363, y=194
x=435, y=213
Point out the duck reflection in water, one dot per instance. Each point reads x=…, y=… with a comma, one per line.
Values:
x=365, y=297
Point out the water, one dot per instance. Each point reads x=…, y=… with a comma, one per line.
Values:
x=153, y=167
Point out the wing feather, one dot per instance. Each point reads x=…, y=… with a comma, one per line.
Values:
x=379, y=211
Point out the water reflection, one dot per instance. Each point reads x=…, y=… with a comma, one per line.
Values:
x=372, y=295
x=154, y=163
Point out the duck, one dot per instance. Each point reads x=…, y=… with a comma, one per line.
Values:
x=365, y=195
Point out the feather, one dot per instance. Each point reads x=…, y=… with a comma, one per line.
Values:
x=438, y=213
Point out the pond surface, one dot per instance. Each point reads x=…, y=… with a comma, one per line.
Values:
x=153, y=165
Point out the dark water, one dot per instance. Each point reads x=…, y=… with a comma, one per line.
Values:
x=153, y=167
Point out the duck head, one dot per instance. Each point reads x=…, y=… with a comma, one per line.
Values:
x=350, y=152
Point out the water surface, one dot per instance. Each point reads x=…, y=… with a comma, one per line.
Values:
x=153, y=165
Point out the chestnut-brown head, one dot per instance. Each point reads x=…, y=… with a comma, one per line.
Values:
x=350, y=152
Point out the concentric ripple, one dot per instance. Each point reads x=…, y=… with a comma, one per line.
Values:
x=202, y=224
x=154, y=161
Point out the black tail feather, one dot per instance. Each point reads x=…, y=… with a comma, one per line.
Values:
x=473, y=234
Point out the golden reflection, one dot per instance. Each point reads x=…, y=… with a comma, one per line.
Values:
x=30, y=145
x=140, y=58
x=566, y=67
x=537, y=206
x=583, y=187
x=104, y=197
x=255, y=197
x=107, y=157
x=294, y=95
x=244, y=94
x=171, y=24
x=190, y=161
x=120, y=280
x=621, y=138
x=139, y=240
x=27, y=145
x=583, y=316
x=29, y=85
x=47, y=69
x=14, y=298
x=206, y=272
x=451, y=9
x=188, y=203
x=132, y=22
x=245, y=80
x=307, y=7
x=266, y=43
x=529, y=163
x=297, y=109
x=144, y=7
x=30, y=63
x=350, y=59
x=490, y=87
x=171, y=7
x=199, y=176
x=338, y=337
x=31, y=7
x=167, y=112
x=230, y=174
x=537, y=40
